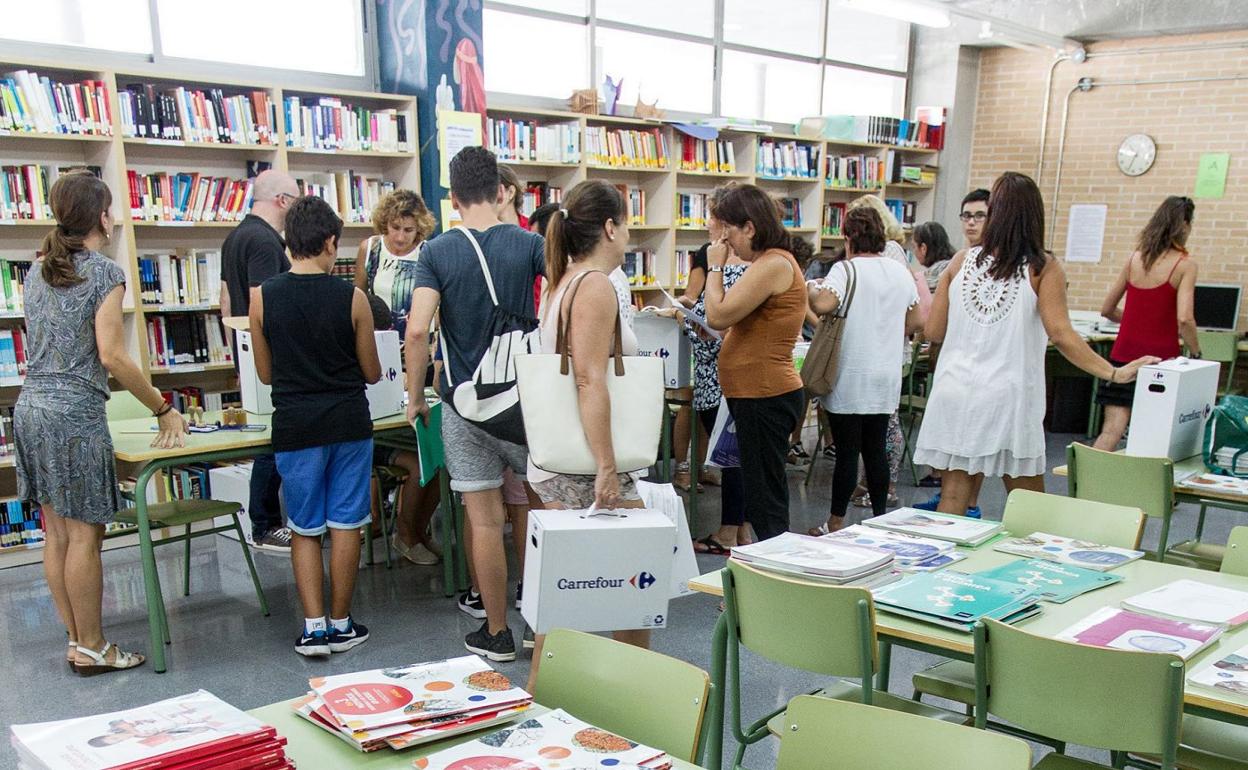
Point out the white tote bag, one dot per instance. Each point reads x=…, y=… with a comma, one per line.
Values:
x=552, y=416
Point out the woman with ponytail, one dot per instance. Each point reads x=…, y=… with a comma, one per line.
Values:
x=64, y=453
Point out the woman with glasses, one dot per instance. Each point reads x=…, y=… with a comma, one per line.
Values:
x=1159, y=281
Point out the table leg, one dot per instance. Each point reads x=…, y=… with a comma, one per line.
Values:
x=712, y=754
x=449, y=555
x=695, y=465
x=461, y=552
x=151, y=586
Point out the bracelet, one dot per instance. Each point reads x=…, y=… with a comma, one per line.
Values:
x=1113, y=372
x=168, y=407
x=715, y=269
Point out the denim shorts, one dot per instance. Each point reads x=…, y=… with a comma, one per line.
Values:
x=327, y=486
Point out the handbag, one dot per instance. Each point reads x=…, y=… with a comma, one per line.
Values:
x=549, y=401
x=819, y=370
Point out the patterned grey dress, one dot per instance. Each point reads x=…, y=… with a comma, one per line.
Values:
x=64, y=451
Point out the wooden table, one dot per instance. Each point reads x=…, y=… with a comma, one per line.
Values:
x=311, y=748
x=1139, y=576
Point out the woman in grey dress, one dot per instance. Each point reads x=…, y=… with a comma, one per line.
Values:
x=64, y=452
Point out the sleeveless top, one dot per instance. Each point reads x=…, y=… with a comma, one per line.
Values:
x=392, y=278
x=1150, y=321
x=756, y=358
x=318, y=386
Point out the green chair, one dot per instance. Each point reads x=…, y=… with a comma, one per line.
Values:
x=858, y=736
x=1075, y=693
x=1143, y=482
x=827, y=630
x=1222, y=347
x=386, y=492
x=1236, y=561
x=636, y=693
x=1027, y=512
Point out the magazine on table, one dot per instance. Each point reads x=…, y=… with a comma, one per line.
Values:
x=1225, y=675
x=1068, y=550
x=1125, y=630
x=1193, y=601
x=818, y=556
x=961, y=530
x=908, y=550
x=956, y=599
x=1214, y=482
x=1053, y=582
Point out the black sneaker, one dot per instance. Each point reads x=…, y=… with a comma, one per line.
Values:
x=500, y=647
x=471, y=605
x=526, y=640
x=276, y=540
x=800, y=452
x=519, y=592
x=313, y=645
x=341, y=641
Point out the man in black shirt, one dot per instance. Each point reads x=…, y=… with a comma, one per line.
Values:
x=253, y=253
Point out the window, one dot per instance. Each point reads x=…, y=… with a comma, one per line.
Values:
x=866, y=38
x=515, y=63
x=791, y=26
x=118, y=25
x=854, y=92
x=679, y=74
x=571, y=7
x=692, y=17
x=767, y=87
x=310, y=35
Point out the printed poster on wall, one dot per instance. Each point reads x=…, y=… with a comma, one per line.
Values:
x=1085, y=232
x=1211, y=175
x=456, y=130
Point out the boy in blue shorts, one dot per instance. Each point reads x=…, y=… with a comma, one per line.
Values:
x=312, y=335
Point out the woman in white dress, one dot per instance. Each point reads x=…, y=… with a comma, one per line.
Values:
x=996, y=308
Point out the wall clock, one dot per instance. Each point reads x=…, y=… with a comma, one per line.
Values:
x=1136, y=154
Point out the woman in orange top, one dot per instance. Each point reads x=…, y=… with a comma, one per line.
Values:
x=763, y=315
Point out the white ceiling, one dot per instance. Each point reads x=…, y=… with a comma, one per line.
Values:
x=1100, y=19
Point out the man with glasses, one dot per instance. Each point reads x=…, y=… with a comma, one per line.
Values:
x=253, y=253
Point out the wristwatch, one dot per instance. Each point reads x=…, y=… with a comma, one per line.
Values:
x=715, y=269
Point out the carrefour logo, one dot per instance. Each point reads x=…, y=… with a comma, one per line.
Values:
x=1195, y=414
x=640, y=581
x=392, y=374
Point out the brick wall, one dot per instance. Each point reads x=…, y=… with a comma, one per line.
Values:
x=1185, y=120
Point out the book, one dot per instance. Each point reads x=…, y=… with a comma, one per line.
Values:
x=528, y=140
x=692, y=209
x=551, y=741
x=1067, y=550
x=787, y=160
x=1124, y=630
x=194, y=116
x=626, y=148
x=1214, y=482
x=908, y=550
x=1053, y=582
x=713, y=156
x=351, y=193
x=957, y=600
x=803, y=554
x=1193, y=601
x=187, y=197
x=1227, y=674
x=328, y=123
x=34, y=103
x=429, y=443
x=860, y=172
x=941, y=526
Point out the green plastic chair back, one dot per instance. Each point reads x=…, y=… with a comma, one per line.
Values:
x=1146, y=483
x=1222, y=347
x=1075, y=693
x=860, y=736
x=1114, y=525
x=637, y=693
x=122, y=405
x=1236, y=560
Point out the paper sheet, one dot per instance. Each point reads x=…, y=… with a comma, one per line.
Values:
x=456, y=130
x=1085, y=232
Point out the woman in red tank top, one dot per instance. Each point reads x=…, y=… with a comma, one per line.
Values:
x=1159, y=281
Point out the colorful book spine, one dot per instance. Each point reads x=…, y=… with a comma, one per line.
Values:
x=31, y=103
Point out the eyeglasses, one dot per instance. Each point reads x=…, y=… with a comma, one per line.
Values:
x=292, y=197
x=973, y=216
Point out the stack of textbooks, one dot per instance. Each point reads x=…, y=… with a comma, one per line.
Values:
x=326, y=123
x=191, y=731
x=853, y=171
x=30, y=102
x=1214, y=482
x=819, y=558
x=13, y=284
x=1053, y=582
x=527, y=140
x=1226, y=458
x=351, y=194
x=187, y=197
x=187, y=277
x=1191, y=600
x=957, y=600
x=692, y=209
x=550, y=741
x=1067, y=550
x=787, y=160
x=960, y=530
x=626, y=148
x=24, y=189
x=186, y=339
x=21, y=524
x=911, y=553
x=1228, y=674
x=13, y=352
x=196, y=116
x=411, y=705
x=706, y=155
x=1121, y=629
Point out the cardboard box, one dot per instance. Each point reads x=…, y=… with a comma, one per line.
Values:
x=386, y=396
x=665, y=338
x=232, y=483
x=257, y=397
x=606, y=572
x=1173, y=401
x=663, y=497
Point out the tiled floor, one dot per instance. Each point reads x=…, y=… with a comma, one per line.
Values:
x=222, y=644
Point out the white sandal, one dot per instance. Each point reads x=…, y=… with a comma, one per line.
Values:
x=100, y=664
x=73, y=646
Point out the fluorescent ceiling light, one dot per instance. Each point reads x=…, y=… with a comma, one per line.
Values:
x=904, y=10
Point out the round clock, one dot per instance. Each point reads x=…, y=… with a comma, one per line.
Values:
x=1136, y=154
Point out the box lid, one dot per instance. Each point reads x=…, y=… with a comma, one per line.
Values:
x=1181, y=364
x=621, y=518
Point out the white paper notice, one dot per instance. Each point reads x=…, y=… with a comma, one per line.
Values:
x=1086, y=232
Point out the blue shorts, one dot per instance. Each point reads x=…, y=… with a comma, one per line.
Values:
x=327, y=486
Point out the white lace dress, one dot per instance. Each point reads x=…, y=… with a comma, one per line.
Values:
x=986, y=411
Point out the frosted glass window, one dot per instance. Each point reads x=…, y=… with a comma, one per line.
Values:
x=693, y=17
x=676, y=73
x=791, y=26
x=766, y=87
x=867, y=38
x=574, y=7
x=116, y=25
x=853, y=92
x=514, y=64
x=308, y=35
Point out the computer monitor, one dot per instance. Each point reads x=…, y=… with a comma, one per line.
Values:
x=1217, y=306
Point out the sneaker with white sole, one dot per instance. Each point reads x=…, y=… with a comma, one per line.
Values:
x=519, y=593
x=527, y=640
x=313, y=645
x=276, y=539
x=500, y=647
x=341, y=641
x=470, y=604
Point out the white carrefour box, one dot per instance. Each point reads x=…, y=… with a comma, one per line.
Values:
x=1173, y=400
x=232, y=483
x=610, y=571
x=665, y=338
x=257, y=397
x=385, y=397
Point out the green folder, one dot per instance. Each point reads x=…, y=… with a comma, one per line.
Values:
x=429, y=444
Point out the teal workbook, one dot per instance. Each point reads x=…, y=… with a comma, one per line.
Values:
x=956, y=599
x=1052, y=582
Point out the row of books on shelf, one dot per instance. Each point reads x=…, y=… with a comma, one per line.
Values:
x=24, y=189
x=351, y=193
x=184, y=339
x=21, y=524
x=539, y=194
x=692, y=209
x=13, y=284
x=186, y=277
x=639, y=267
x=635, y=199
x=183, y=399
x=197, y=116
x=684, y=262
x=187, y=197
x=526, y=140
x=790, y=211
x=854, y=171
x=13, y=352
x=344, y=267
x=7, y=444
x=626, y=148
x=30, y=102
x=905, y=211
x=787, y=159
x=329, y=123
x=714, y=156
x=925, y=131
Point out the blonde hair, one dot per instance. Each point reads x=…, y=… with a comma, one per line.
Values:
x=403, y=203
x=893, y=230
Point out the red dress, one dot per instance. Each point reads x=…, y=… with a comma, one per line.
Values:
x=1150, y=321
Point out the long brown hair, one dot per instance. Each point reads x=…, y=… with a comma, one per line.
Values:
x=78, y=200
x=1014, y=232
x=1167, y=229
x=742, y=203
x=575, y=229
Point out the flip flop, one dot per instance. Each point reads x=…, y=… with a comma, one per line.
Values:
x=712, y=546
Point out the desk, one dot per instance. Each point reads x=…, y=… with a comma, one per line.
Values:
x=1184, y=468
x=132, y=441
x=311, y=748
x=1139, y=576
